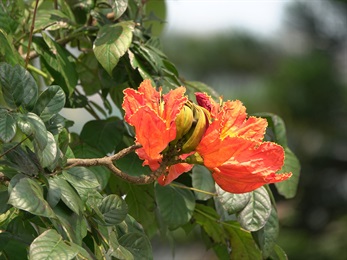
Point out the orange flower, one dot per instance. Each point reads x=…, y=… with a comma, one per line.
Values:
x=233, y=150
x=153, y=115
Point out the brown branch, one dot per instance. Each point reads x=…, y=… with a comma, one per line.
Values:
x=31, y=34
x=108, y=162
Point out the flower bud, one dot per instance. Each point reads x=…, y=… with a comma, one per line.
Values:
x=196, y=131
x=184, y=121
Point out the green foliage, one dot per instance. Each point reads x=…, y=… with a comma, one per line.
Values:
x=52, y=209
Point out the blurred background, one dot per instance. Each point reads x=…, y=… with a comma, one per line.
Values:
x=288, y=58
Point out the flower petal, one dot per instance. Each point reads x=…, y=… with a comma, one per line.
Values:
x=173, y=103
x=174, y=172
x=151, y=132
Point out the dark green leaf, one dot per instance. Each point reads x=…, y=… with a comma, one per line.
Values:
x=68, y=194
x=267, y=236
x=176, y=205
x=119, y=7
x=278, y=127
x=12, y=246
x=56, y=60
x=242, y=244
x=27, y=195
x=257, y=211
x=22, y=228
x=88, y=69
x=118, y=250
x=209, y=220
x=50, y=245
x=81, y=177
x=18, y=86
x=202, y=180
x=114, y=209
x=74, y=225
x=138, y=244
x=103, y=135
x=278, y=254
x=3, y=201
x=289, y=187
x=85, y=151
x=195, y=86
x=137, y=64
x=7, y=50
x=50, y=102
x=8, y=126
x=231, y=202
x=112, y=43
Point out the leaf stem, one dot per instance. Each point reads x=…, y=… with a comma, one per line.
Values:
x=193, y=189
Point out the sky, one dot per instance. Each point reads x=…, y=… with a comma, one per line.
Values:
x=262, y=17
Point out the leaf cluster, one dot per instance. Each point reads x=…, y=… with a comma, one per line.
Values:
x=51, y=209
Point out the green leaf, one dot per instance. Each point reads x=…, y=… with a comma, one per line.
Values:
x=202, y=180
x=117, y=250
x=112, y=42
x=278, y=254
x=27, y=195
x=19, y=226
x=289, y=187
x=137, y=64
x=12, y=246
x=31, y=124
x=266, y=237
x=114, y=209
x=48, y=154
x=68, y=194
x=18, y=86
x=7, y=50
x=231, y=202
x=81, y=177
x=103, y=135
x=75, y=226
x=50, y=102
x=3, y=202
x=257, y=211
x=138, y=244
x=278, y=127
x=242, y=244
x=52, y=20
x=195, y=86
x=50, y=245
x=209, y=220
x=56, y=60
x=101, y=173
x=176, y=205
x=8, y=126
x=119, y=7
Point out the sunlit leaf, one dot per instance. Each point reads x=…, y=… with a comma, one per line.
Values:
x=52, y=20
x=50, y=245
x=112, y=43
x=257, y=211
x=50, y=102
x=27, y=195
x=18, y=86
x=119, y=7
x=232, y=202
x=202, y=180
x=176, y=205
x=8, y=126
x=208, y=219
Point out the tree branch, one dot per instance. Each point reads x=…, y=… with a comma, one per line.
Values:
x=108, y=162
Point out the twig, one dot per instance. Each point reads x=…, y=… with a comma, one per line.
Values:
x=108, y=162
x=31, y=34
x=14, y=147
